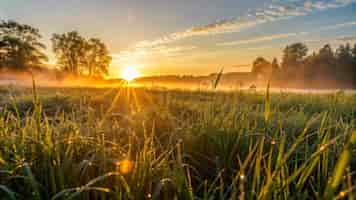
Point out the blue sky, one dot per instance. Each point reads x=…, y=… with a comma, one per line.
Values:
x=191, y=37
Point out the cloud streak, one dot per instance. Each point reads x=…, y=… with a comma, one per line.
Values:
x=141, y=53
x=261, y=39
x=336, y=26
x=347, y=38
x=277, y=11
x=335, y=40
x=286, y=35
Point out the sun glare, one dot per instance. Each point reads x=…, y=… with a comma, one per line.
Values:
x=129, y=73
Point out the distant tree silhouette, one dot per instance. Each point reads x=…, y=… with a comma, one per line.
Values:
x=293, y=58
x=294, y=54
x=344, y=54
x=354, y=63
x=69, y=49
x=326, y=53
x=96, y=58
x=3, y=53
x=327, y=60
x=345, y=61
x=79, y=56
x=19, y=46
x=261, y=67
x=275, y=65
x=321, y=64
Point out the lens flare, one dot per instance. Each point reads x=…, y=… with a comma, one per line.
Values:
x=125, y=166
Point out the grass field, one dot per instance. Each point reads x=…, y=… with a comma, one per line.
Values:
x=136, y=143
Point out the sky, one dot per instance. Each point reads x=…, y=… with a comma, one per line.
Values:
x=190, y=37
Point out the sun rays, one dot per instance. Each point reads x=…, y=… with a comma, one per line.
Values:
x=127, y=100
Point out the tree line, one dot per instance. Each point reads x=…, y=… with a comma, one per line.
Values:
x=326, y=64
x=21, y=49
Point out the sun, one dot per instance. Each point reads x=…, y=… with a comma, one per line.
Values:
x=129, y=73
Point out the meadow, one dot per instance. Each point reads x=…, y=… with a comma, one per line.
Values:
x=142, y=143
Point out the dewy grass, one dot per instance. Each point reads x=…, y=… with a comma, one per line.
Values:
x=137, y=143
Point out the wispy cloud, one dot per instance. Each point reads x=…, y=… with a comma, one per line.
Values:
x=323, y=5
x=258, y=48
x=337, y=26
x=241, y=66
x=285, y=35
x=261, y=39
x=347, y=38
x=222, y=26
x=141, y=53
x=277, y=11
x=334, y=40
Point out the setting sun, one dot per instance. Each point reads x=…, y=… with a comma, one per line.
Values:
x=129, y=73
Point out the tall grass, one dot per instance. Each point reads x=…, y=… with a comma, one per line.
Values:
x=137, y=143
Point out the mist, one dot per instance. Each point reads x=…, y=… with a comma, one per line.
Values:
x=48, y=78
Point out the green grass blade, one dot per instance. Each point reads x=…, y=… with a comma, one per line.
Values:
x=218, y=78
x=9, y=194
x=267, y=112
x=340, y=167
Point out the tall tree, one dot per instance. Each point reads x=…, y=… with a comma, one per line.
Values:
x=354, y=52
x=276, y=70
x=344, y=53
x=325, y=61
x=97, y=58
x=20, y=46
x=2, y=53
x=345, y=59
x=293, y=61
x=293, y=55
x=79, y=56
x=275, y=65
x=261, y=67
x=70, y=51
x=326, y=53
x=354, y=63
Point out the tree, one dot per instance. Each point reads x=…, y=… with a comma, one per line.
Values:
x=69, y=49
x=2, y=53
x=345, y=62
x=293, y=61
x=275, y=65
x=344, y=53
x=293, y=55
x=97, y=59
x=261, y=67
x=354, y=62
x=323, y=63
x=20, y=47
x=276, y=71
x=345, y=59
x=326, y=52
x=79, y=56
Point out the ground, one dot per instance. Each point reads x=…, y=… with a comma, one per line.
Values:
x=139, y=143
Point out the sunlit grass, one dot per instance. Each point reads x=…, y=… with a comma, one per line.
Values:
x=137, y=143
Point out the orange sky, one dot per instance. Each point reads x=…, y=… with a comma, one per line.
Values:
x=197, y=37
